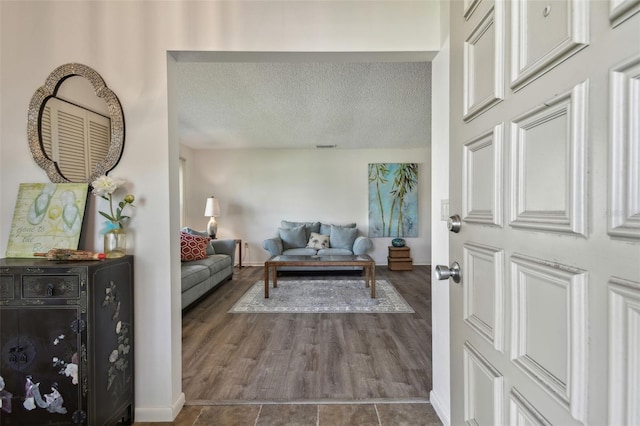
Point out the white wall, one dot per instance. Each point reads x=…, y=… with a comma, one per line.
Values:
x=259, y=188
x=440, y=395
x=127, y=43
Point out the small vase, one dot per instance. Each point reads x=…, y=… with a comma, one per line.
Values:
x=115, y=243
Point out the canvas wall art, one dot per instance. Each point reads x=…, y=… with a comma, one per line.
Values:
x=47, y=216
x=393, y=200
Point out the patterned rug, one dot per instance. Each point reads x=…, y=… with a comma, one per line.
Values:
x=322, y=296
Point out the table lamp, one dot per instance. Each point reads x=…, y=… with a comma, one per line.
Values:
x=212, y=210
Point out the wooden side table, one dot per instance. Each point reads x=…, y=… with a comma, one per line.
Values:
x=399, y=259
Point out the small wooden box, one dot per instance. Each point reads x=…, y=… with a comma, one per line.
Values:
x=399, y=259
x=399, y=252
x=400, y=264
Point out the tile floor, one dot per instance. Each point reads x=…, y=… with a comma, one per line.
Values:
x=383, y=414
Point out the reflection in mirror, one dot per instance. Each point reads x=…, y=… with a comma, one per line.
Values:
x=75, y=129
x=74, y=135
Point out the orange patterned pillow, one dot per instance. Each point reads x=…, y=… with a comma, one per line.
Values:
x=193, y=247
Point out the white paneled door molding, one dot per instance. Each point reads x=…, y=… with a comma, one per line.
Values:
x=483, y=173
x=621, y=10
x=484, y=63
x=484, y=389
x=484, y=292
x=624, y=131
x=624, y=351
x=549, y=296
x=522, y=412
x=544, y=34
x=545, y=312
x=550, y=141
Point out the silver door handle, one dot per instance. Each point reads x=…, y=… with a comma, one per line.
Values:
x=443, y=272
x=454, y=223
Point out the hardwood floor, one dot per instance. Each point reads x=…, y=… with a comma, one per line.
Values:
x=387, y=414
x=308, y=358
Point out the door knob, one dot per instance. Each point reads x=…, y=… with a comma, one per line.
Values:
x=443, y=272
x=454, y=223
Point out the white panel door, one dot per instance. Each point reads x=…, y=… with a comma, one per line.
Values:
x=545, y=175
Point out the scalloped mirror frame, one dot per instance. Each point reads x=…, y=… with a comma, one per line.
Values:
x=50, y=88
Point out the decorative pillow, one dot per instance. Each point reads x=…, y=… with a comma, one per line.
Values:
x=193, y=247
x=342, y=237
x=192, y=231
x=325, y=228
x=210, y=249
x=309, y=227
x=293, y=237
x=318, y=241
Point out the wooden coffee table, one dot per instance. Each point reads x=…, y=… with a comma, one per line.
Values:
x=363, y=260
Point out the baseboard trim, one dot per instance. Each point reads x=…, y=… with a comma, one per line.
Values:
x=199, y=402
x=439, y=408
x=160, y=414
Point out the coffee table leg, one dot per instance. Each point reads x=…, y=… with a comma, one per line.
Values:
x=373, y=281
x=266, y=280
x=367, y=276
x=275, y=277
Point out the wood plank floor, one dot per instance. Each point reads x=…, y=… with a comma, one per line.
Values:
x=264, y=358
x=386, y=414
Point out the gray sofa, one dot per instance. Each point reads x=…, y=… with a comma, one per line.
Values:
x=294, y=239
x=199, y=277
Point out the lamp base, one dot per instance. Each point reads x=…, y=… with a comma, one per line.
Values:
x=212, y=228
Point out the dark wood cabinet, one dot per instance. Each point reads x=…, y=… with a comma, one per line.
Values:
x=66, y=342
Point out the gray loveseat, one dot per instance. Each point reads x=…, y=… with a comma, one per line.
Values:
x=201, y=276
x=309, y=238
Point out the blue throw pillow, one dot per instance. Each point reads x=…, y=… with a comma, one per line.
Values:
x=194, y=232
x=342, y=237
x=293, y=237
x=325, y=228
x=309, y=227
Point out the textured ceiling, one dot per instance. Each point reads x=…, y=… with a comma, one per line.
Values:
x=231, y=105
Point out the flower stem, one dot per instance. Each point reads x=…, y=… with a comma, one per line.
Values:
x=111, y=206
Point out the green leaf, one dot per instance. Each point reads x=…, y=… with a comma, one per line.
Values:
x=107, y=216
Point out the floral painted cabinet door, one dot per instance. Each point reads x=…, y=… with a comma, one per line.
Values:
x=66, y=342
x=39, y=365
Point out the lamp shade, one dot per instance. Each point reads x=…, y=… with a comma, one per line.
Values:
x=213, y=207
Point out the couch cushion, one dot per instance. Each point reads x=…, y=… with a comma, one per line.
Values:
x=325, y=228
x=300, y=252
x=293, y=237
x=342, y=237
x=334, y=252
x=214, y=263
x=193, y=247
x=192, y=274
x=309, y=227
x=318, y=241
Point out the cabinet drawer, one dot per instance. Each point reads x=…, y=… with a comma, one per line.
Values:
x=50, y=286
x=6, y=286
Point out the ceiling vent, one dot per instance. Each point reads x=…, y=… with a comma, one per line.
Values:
x=326, y=146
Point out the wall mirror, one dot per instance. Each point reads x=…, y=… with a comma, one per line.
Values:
x=75, y=125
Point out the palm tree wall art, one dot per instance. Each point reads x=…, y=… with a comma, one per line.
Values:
x=393, y=200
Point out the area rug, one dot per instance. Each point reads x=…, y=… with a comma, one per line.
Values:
x=322, y=296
